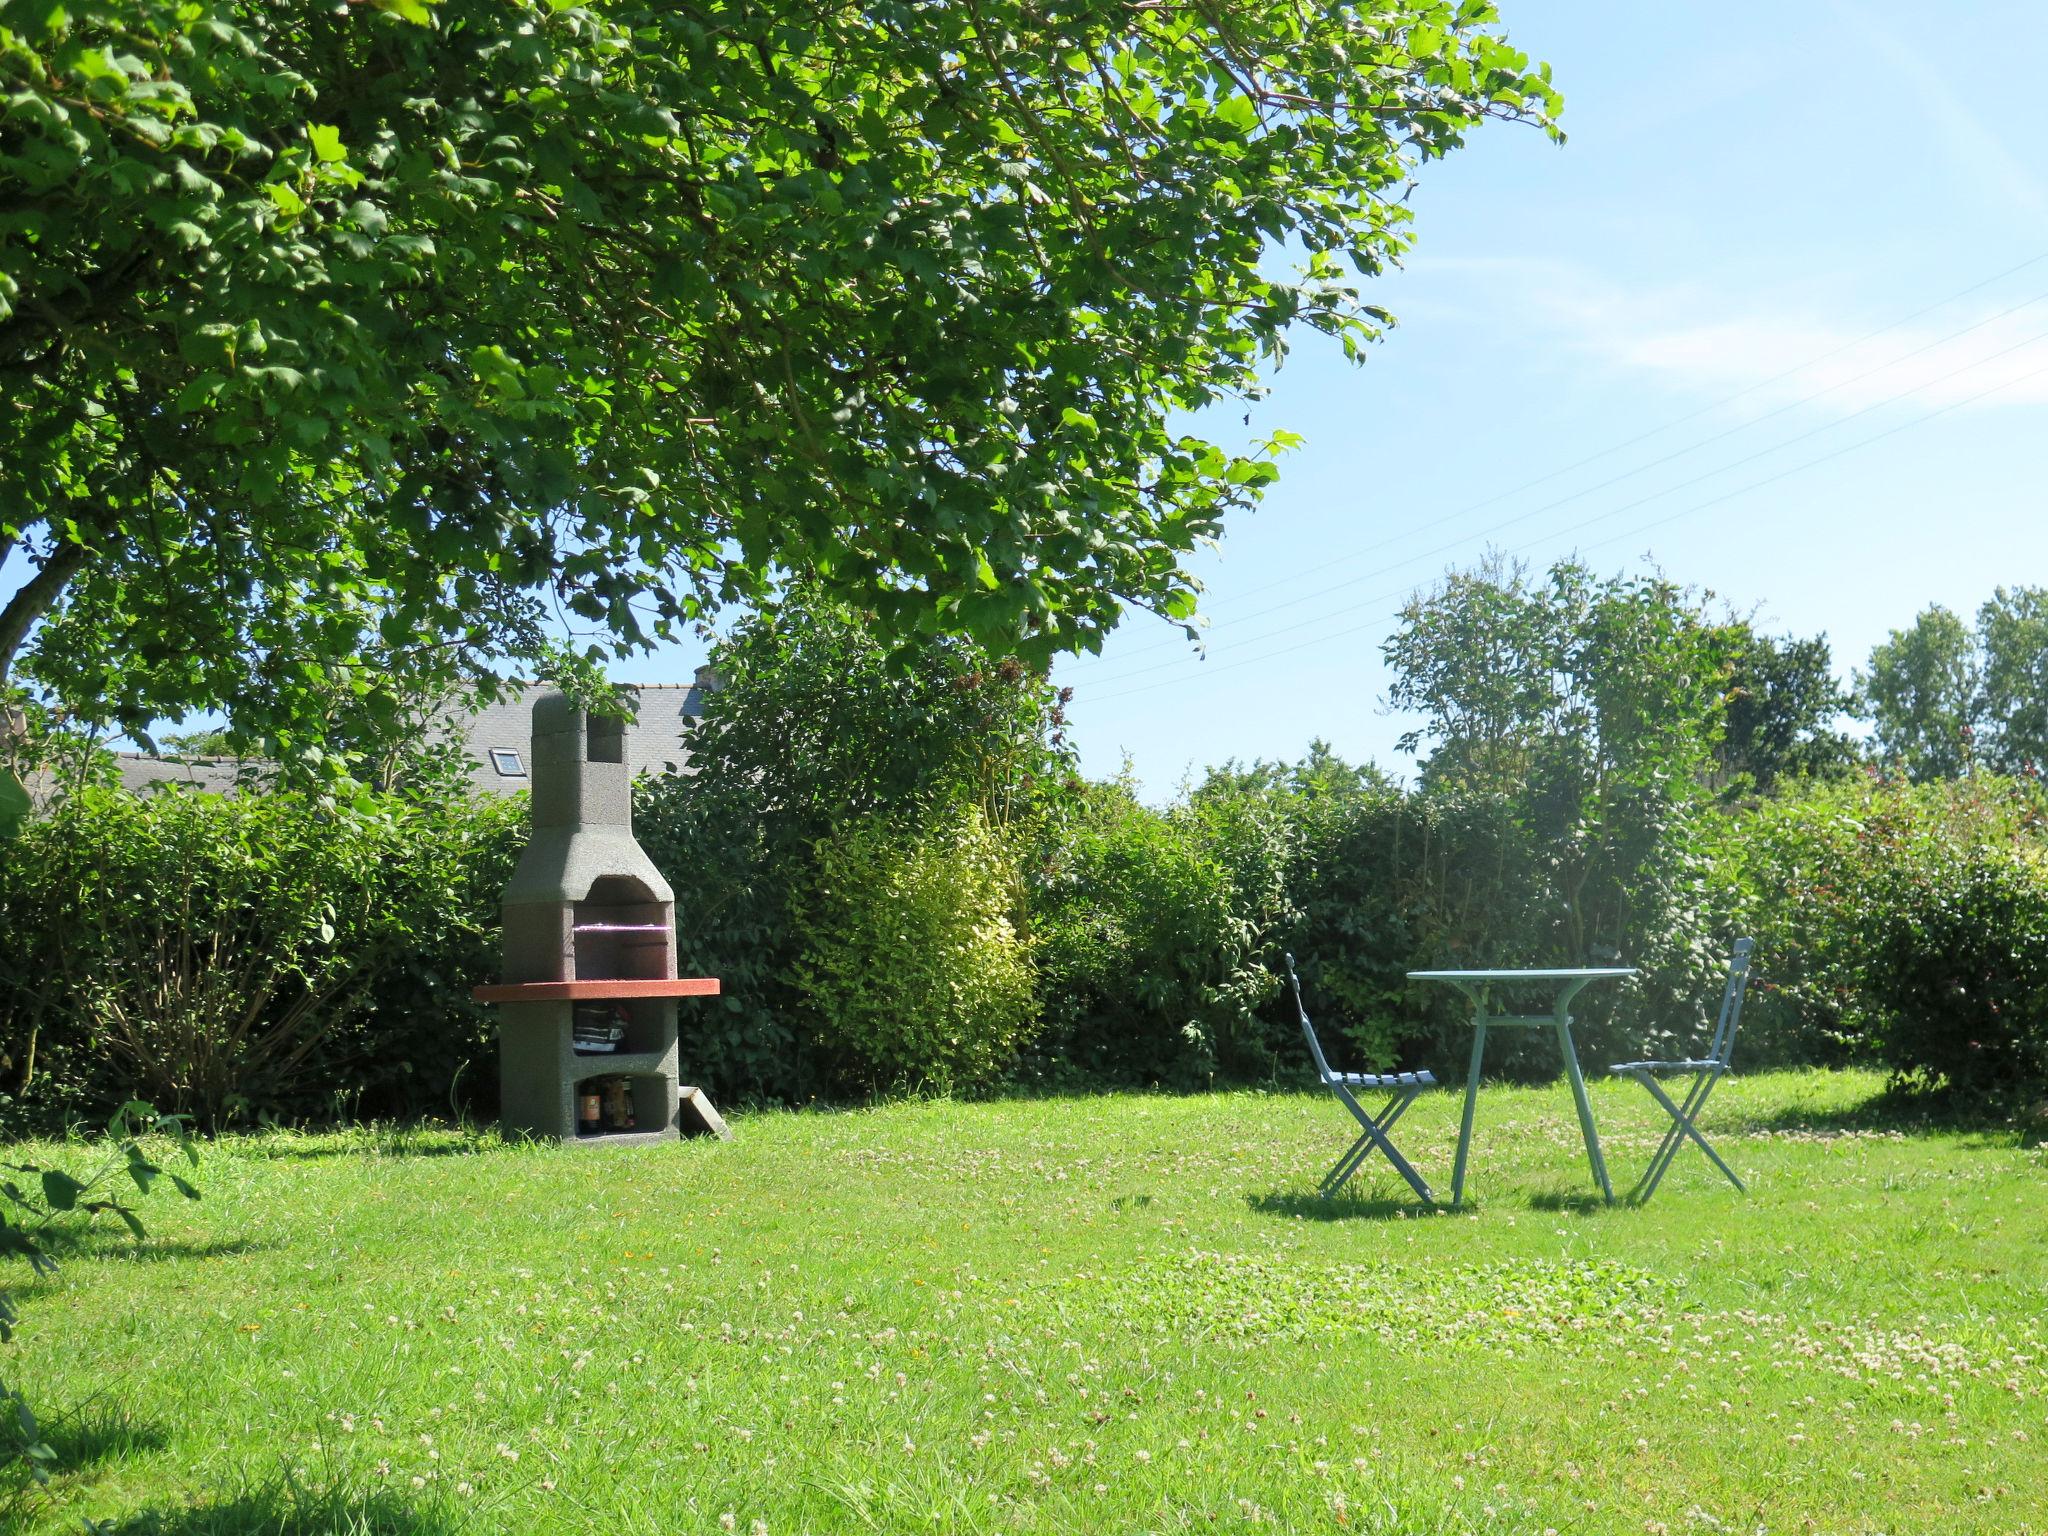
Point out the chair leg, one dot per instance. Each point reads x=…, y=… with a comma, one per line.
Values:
x=1692, y=1129
x=1674, y=1138
x=1683, y=1126
x=1653, y=1172
x=1345, y=1166
x=1361, y=1149
x=1374, y=1134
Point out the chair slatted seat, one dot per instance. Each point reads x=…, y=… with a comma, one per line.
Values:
x=1403, y=1086
x=1707, y=1071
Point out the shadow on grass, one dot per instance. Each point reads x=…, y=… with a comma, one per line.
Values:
x=375, y=1141
x=1574, y=1202
x=1343, y=1207
x=112, y=1242
x=96, y=1433
x=289, y=1511
x=1900, y=1111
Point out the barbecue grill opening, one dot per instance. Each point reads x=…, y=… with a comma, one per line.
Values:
x=621, y=931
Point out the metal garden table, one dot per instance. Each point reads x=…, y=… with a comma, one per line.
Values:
x=1479, y=987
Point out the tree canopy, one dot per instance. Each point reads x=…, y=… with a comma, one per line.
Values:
x=1592, y=705
x=352, y=343
x=2012, y=636
x=1921, y=691
x=1782, y=713
x=1947, y=696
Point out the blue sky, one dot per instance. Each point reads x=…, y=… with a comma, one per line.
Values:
x=1748, y=189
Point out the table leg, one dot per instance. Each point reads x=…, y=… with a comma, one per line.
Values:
x=1471, y=1102
x=1578, y=1081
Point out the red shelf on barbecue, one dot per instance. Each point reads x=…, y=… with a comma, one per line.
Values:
x=596, y=991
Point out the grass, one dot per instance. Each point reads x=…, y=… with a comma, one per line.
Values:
x=1126, y=1313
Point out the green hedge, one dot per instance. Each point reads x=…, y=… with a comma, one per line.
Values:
x=1147, y=944
x=913, y=959
x=262, y=954
x=271, y=955
x=1904, y=926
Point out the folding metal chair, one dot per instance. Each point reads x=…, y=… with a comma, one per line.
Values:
x=1706, y=1071
x=1374, y=1128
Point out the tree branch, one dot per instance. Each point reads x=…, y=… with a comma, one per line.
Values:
x=34, y=600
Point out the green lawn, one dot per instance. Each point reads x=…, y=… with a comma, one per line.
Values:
x=1106, y=1314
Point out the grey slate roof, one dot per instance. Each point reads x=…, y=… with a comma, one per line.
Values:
x=211, y=775
x=657, y=743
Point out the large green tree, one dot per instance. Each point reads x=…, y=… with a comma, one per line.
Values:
x=1922, y=693
x=345, y=344
x=2012, y=639
x=1592, y=706
x=1782, y=712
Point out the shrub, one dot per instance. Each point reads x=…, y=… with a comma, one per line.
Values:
x=1850, y=892
x=1792, y=873
x=417, y=1042
x=813, y=725
x=1956, y=968
x=257, y=954
x=912, y=958
x=1392, y=882
x=1147, y=960
x=707, y=834
x=1374, y=881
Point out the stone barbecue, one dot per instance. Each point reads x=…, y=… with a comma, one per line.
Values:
x=587, y=1032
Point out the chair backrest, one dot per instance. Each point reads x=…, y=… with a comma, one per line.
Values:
x=1723, y=1047
x=1315, y=1046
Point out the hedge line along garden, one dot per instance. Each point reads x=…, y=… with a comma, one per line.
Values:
x=904, y=887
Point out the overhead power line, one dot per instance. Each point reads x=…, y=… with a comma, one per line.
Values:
x=1380, y=618
x=1464, y=539
x=1396, y=537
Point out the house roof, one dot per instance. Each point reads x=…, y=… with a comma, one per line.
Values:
x=658, y=741
x=496, y=739
x=211, y=775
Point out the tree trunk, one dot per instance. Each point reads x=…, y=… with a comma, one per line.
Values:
x=34, y=600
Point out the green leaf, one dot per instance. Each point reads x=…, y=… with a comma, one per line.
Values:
x=14, y=804
x=143, y=1172
x=60, y=1190
x=131, y=1119
x=1237, y=112
x=326, y=141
